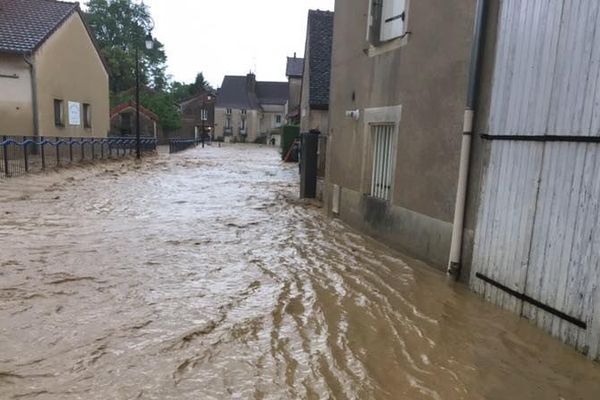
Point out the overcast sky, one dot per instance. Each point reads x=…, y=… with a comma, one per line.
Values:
x=231, y=37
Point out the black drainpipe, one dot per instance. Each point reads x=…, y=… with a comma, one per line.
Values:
x=455, y=262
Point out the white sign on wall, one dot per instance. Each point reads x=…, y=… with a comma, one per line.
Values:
x=74, y=113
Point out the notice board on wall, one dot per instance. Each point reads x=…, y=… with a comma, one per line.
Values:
x=74, y=113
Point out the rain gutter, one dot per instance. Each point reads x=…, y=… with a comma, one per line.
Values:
x=34, y=101
x=455, y=261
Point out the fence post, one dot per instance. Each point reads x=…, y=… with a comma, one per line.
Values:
x=82, y=149
x=71, y=150
x=42, y=152
x=57, y=152
x=93, y=146
x=5, y=156
x=102, y=150
x=25, y=156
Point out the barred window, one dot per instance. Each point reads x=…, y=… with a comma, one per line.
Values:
x=381, y=183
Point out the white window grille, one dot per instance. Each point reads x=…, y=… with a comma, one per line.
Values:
x=381, y=183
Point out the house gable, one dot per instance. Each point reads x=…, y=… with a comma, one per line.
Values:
x=68, y=67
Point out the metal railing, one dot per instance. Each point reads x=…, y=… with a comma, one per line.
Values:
x=177, y=145
x=24, y=154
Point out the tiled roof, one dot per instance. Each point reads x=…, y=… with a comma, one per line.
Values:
x=320, y=38
x=272, y=92
x=235, y=92
x=26, y=24
x=130, y=105
x=295, y=67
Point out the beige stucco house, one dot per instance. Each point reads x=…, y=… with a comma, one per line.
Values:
x=250, y=111
x=53, y=81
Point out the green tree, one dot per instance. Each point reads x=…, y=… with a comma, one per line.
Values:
x=182, y=91
x=201, y=84
x=120, y=27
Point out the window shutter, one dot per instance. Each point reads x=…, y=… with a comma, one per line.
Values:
x=393, y=16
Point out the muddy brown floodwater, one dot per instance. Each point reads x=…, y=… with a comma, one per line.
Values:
x=200, y=276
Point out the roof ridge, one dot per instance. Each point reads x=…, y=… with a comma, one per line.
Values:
x=317, y=11
x=272, y=82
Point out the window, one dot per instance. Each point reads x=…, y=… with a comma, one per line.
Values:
x=228, y=111
x=203, y=115
x=244, y=111
x=278, y=119
x=388, y=20
x=243, y=124
x=381, y=183
x=59, y=112
x=87, y=115
x=228, y=123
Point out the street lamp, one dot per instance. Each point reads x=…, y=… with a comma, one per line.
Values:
x=149, y=43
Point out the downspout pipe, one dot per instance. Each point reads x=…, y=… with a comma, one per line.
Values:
x=34, y=101
x=455, y=261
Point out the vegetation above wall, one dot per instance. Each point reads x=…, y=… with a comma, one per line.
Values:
x=120, y=27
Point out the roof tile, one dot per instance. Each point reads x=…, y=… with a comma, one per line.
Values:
x=320, y=39
x=295, y=67
x=26, y=24
x=235, y=93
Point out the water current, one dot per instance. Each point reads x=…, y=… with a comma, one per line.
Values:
x=200, y=275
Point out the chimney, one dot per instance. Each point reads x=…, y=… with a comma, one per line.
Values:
x=251, y=82
x=294, y=55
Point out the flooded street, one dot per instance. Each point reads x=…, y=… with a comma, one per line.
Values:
x=200, y=276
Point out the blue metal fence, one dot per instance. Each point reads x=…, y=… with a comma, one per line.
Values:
x=23, y=154
x=177, y=145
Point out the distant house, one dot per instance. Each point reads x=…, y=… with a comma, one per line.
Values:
x=317, y=72
x=294, y=71
x=122, y=121
x=197, y=116
x=53, y=81
x=250, y=111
